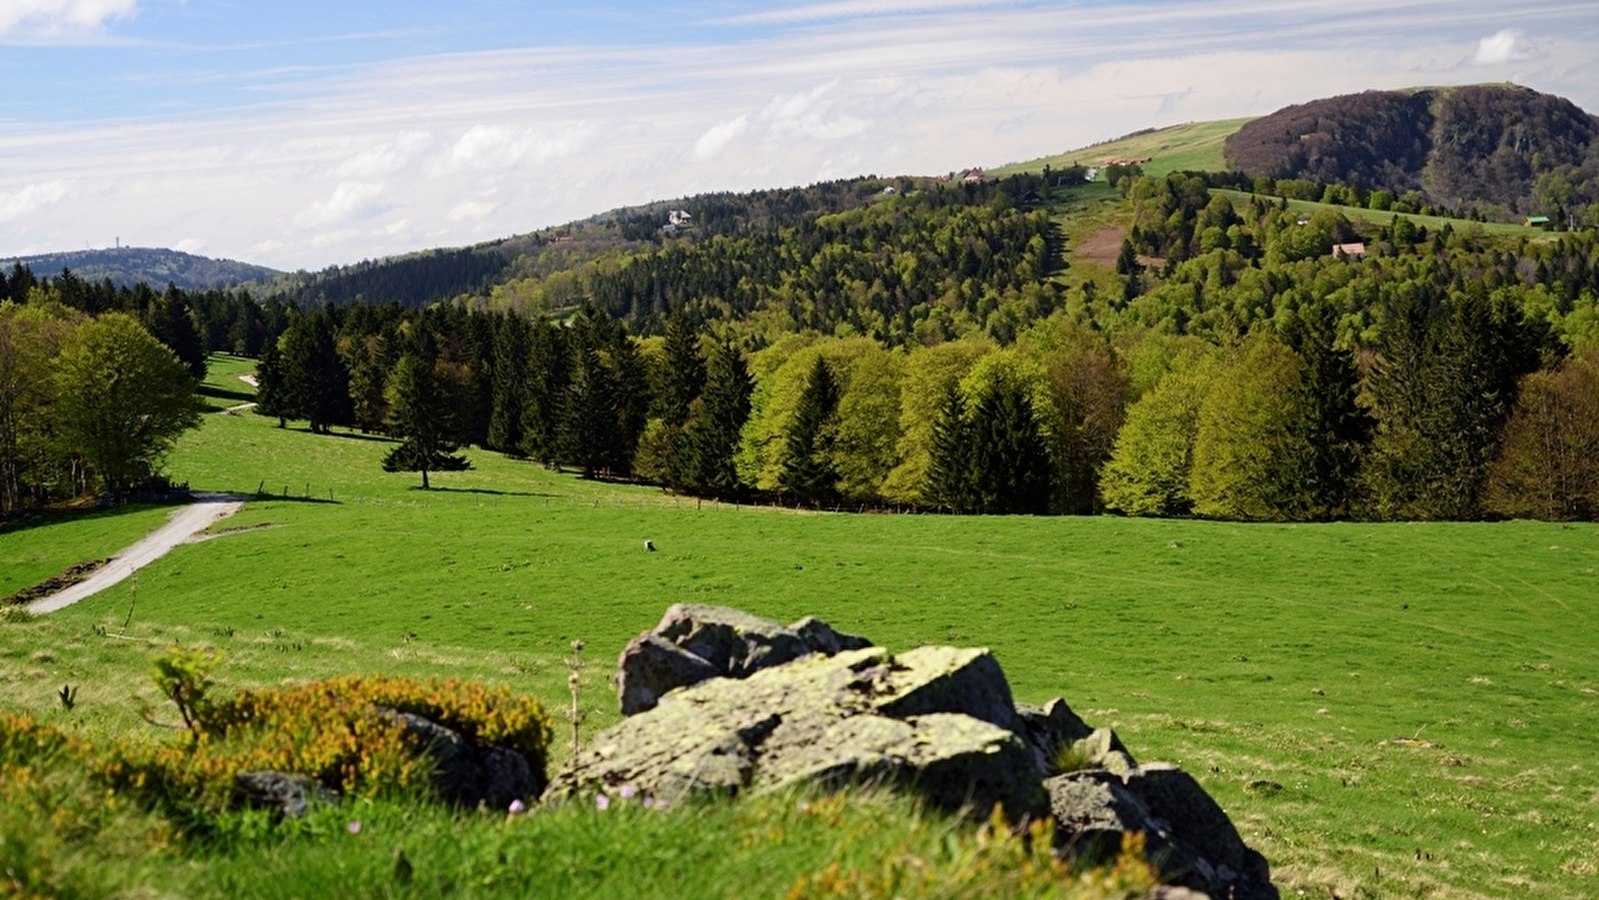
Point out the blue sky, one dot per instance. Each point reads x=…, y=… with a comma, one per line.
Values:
x=300, y=135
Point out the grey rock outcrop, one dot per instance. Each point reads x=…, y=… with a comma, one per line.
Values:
x=290, y=796
x=936, y=719
x=719, y=701
x=1186, y=834
x=693, y=643
x=468, y=774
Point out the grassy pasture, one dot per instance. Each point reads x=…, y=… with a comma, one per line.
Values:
x=1380, y=217
x=1193, y=146
x=1277, y=663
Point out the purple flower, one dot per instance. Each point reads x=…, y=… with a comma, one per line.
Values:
x=649, y=802
x=602, y=802
x=627, y=792
x=517, y=807
x=353, y=827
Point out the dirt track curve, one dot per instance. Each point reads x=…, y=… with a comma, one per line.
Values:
x=180, y=528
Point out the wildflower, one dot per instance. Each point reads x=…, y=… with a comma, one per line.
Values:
x=518, y=807
x=627, y=792
x=353, y=827
x=602, y=802
x=649, y=802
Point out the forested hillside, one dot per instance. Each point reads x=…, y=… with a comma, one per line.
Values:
x=1495, y=151
x=932, y=347
x=128, y=266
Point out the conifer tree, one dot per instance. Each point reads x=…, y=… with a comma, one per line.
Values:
x=512, y=345
x=1010, y=462
x=1334, y=428
x=683, y=374
x=420, y=414
x=949, y=477
x=315, y=379
x=589, y=427
x=270, y=394
x=715, y=422
x=808, y=471
x=546, y=388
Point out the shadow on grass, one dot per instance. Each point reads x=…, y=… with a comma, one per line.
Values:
x=450, y=490
x=235, y=397
x=262, y=496
x=39, y=518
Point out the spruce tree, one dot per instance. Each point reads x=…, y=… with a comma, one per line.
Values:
x=1010, y=462
x=715, y=422
x=1335, y=429
x=683, y=373
x=271, y=398
x=589, y=428
x=808, y=471
x=512, y=345
x=949, y=477
x=545, y=389
x=420, y=415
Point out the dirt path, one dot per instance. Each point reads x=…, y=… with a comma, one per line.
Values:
x=180, y=528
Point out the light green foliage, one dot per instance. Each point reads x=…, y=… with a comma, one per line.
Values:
x=122, y=398
x=1548, y=465
x=1151, y=465
x=780, y=374
x=928, y=376
x=183, y=675
x=1249, y=448
x=865, y=444
x=30, y=336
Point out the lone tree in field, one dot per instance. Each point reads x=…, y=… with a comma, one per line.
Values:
x=420, y=415
x=121, y=398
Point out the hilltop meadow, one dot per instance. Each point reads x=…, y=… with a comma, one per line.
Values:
x=1386, y=709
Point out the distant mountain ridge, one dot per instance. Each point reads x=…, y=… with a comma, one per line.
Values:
x=155, y=266
x=1503, y=150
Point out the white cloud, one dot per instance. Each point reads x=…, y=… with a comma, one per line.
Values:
x=716, y=138
x=470, y=211
x=1503, y=46
x=494, y=147
x=351, y=200
x=386, y=158
x=806, y=115
x=32, y=199
x=189, y=245
x=56, y=18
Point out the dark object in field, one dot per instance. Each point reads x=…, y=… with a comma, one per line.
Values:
x=288, y=795
x=467, y=774
x=694, y=642
x=738, y=703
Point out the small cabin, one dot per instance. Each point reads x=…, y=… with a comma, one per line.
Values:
x=1356, y=250
x=1536, y=222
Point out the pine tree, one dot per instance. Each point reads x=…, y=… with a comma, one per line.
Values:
x=949, y=477
x=315, y=380
x=1335, y=428
x=170, y=321
x=545, y=389
x=1010, y=462
x=683, y=373
x=512, y=346
x=271, y=397
x=807, y=465
x=589, y=426
x=420, y=415
x=715, y=422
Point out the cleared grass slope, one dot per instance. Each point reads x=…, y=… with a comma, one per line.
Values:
x=1193, y=146
x=1278, y=663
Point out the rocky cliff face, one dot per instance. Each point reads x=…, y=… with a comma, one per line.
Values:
x=738, y=704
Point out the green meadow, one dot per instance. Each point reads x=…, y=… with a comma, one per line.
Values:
x=1190, y=147
x=1387, y=710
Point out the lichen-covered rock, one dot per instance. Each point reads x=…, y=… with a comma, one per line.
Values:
x=693, y=643
x=1049, y=728
x=923, y=720
x=650, y=666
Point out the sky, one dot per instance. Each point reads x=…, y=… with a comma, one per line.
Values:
x=300, y=135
